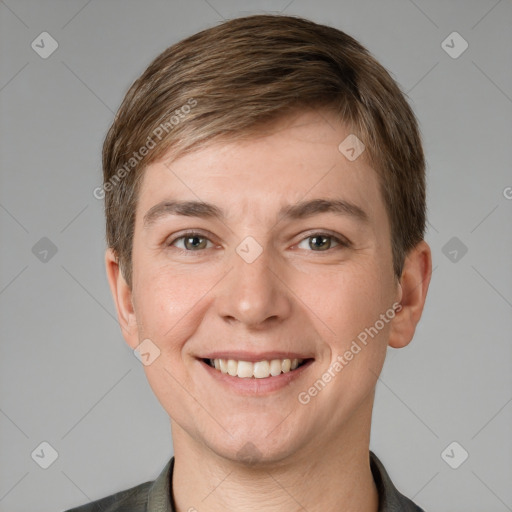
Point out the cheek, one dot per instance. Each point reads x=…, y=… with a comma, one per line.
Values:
x=165, y=296
x=364, y=334
x=168, y=314
x=347, y=300
x=171, y=305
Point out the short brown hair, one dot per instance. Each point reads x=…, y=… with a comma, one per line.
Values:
x=225, y=82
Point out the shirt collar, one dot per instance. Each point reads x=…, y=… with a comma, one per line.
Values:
x=159, y=496
x=390, y=499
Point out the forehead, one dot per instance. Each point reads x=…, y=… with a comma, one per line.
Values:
x=300, y=157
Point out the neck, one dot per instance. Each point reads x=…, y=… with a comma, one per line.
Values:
x=330, y=474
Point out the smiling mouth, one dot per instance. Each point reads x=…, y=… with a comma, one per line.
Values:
x=257, y=370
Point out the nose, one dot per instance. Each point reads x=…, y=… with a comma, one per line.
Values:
x=254, y=294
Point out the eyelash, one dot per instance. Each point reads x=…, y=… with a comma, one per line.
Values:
x=189, y=234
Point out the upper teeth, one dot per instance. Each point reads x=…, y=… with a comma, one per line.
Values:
x=259, y=370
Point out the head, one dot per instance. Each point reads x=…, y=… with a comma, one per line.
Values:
x=300, y=249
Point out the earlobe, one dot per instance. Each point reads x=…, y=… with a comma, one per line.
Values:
x=413, y=285
x=122, y=296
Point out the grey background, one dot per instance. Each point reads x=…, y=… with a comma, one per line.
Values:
x=67, y=376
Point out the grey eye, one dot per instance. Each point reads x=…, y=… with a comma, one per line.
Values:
x=319, y=242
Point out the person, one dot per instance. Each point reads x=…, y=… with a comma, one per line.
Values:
x=264, y=186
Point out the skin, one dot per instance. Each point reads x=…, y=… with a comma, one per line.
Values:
x=293, y=297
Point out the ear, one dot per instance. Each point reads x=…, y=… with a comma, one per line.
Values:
x=414, y=285
x=122, y=295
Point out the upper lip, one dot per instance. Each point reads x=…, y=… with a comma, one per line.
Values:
x=254, y=357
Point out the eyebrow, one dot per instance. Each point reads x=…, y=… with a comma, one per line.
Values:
x=300, y=210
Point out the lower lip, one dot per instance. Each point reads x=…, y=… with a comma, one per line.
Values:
x=253, y=386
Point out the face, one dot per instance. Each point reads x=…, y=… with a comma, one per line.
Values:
x=290, y=260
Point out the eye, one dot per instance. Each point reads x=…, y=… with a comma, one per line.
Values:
x=320, y=242
x=191, y=242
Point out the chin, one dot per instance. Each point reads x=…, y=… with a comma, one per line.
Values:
x=259, y=450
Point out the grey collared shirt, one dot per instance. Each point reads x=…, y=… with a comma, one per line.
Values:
x=155, y=495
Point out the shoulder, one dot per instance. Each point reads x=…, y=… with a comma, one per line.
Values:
x=149, y=496
x=130, y=500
